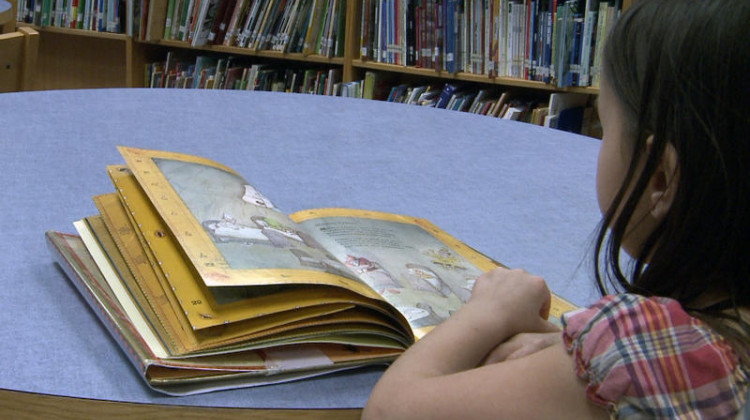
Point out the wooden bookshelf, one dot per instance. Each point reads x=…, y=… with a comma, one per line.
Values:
x=73, y=58
x=274, y=55
x=468, y=77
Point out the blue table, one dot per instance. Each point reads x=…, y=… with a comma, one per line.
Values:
x=523, y=195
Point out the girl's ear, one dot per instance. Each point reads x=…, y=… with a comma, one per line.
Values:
x=663, y=185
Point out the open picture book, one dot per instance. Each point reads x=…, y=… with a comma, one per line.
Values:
x=206, y=285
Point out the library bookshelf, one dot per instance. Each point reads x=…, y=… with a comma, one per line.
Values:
x=76, y=58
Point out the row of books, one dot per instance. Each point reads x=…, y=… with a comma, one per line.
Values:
x=554, y=41
x=564, y=111
x=298, y=26
x=206, y=72
x=93, y=15
x=301, y=26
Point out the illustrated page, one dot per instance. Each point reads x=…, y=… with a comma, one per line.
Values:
x=232, y=233
x=419, y=269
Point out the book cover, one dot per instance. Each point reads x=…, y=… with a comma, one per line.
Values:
x=570, y=119
x=202, y=63
x=445, y=95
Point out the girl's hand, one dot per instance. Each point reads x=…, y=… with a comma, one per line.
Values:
x=513, y=298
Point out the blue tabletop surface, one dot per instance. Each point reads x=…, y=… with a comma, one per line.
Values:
x=521, y=194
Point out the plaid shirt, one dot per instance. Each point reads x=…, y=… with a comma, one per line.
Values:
x=647, y=358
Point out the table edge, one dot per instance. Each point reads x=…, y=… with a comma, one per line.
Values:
x=26, y=405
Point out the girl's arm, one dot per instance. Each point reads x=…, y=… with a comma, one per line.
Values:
x=438, y=376
x=523, y=344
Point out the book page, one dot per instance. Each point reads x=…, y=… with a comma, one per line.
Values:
x=140, y=324
x=229, y=231
x=419, y=269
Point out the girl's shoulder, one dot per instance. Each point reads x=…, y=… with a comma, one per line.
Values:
x=646, y=355
x=629, y=314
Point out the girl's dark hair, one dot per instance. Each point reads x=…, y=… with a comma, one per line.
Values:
x=681, y=71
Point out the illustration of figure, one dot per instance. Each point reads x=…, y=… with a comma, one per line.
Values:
x=281, y=236
x=307, y=259
x=445, y=258
x=463, y=290
x=371, y=273
x=254, y=196
x=423, y=279
x=421, y=315
x=329, y=265
x=227, y=229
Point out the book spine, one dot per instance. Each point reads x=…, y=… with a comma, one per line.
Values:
x=601, y=32
x=100, y=17
x=256, y=20
x=182, y=28
x=575, y=54
x=72, y=14
x=589, y=30
x=168, y=20
x=281, y=36
x=217, y=23
x=191, y=22
x=111, y=20
x=364, y=25
x=231, y=32
x=244, y=30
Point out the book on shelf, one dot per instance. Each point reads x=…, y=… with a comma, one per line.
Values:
x=235, y=72
x=115, y=16
x=205, y=22
x=292, y=26
x=561, y=101
x=570, y=119
x=351, y=89
x=207, y=285
x=375, y=86
x=445, y=96
x=221, y=22
x=553, y=41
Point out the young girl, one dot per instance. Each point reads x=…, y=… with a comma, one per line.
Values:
x=673, y=183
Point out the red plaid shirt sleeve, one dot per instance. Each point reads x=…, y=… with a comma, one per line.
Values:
x=647, y=358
